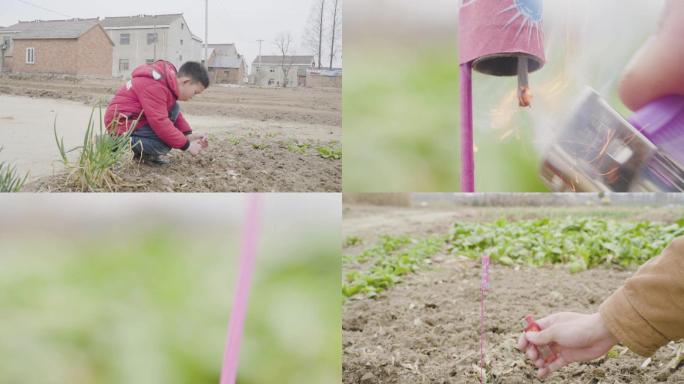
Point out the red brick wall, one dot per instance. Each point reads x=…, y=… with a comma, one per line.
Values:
x=223, y=75
x=90, y=55
x=95, y=53
x=50, y=56
x=316, y=81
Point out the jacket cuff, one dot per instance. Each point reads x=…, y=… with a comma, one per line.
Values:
x=185, y=146
x=188, y=133
x=628, y=326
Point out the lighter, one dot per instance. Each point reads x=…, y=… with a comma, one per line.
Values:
x=544, y=350
x=498, y=38
x=598, y=150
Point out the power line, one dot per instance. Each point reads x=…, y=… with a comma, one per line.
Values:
x=45, y=9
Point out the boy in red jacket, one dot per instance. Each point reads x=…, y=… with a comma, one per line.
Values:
x=153, y=91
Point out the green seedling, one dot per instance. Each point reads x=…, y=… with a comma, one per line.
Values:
x=295, y=147
x=329, y=152
x=259, y=146
x=10, y=180
x=101, y=151
x=382, y=266
x=352, y=241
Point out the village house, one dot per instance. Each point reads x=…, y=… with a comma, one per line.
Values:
x=226, y=65
x=78, y=47
x=268, y=70
x=144, y=39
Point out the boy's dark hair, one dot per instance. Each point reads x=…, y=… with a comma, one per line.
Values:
x=195, y=71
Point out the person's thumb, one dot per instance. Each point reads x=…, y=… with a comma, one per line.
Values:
x=655, y=70
x=542, y=337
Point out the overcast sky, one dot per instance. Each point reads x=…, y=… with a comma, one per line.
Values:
x=230, y=21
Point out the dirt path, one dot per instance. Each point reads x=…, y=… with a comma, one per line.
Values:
x=307, y=105
x=426, y=329
x=26, y=131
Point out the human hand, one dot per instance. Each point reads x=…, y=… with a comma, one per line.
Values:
x=202, y=138
x=572, y=336
x=656, y=70
x=195, y=148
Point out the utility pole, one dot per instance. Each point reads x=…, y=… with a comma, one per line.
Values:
x=154, y=33
x=332, y=40
x=256, y=78
x=206, y=33
x=4, y=46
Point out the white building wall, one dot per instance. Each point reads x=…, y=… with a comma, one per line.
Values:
x=168, y=46
x=197, y=50
x=138, y=51
x=185, y=51
x=265, y=75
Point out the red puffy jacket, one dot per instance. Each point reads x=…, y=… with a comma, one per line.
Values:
x=152, y=90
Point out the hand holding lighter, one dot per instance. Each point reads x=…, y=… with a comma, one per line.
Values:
x=598, y=150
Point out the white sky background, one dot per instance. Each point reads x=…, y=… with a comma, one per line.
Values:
x=242, y=22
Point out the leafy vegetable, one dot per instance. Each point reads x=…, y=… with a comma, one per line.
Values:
x=576, y=241
x=389, y=259
x=329, y=152
x=580, y=242
x=352, y=241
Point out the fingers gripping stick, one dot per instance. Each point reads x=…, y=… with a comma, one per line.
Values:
x=544, y=350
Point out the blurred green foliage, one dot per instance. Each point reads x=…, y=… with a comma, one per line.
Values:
x=153, y=307
x=401, y=121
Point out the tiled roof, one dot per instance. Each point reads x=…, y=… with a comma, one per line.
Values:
x=50, y=29
x=139, y=20
x=277, y=59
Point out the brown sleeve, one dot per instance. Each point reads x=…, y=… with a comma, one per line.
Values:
x=648, y=311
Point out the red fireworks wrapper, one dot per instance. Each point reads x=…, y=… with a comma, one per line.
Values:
x=493, y=33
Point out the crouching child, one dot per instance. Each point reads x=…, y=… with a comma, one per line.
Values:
x=152, y=94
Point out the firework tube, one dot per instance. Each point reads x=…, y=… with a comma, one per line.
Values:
x=467, y=146
x=494, y=33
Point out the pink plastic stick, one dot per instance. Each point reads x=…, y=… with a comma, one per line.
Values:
x=467, y=154
x=237, y=317
x=484, y=287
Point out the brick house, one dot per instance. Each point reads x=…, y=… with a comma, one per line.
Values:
x=78, y=47
x=146, y=38
x=226, y=65
x=268, y=70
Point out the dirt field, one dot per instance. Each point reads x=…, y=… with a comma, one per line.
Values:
x=426, y=329
x=260, y=139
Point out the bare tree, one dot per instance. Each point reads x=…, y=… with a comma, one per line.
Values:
x=335, y=30
x=284, y=42
x=315, y=31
